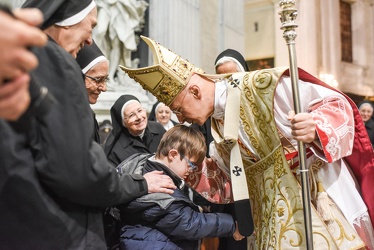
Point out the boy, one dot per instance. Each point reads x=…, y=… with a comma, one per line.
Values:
x=163, y=221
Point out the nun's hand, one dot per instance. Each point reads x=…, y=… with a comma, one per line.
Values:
x=158, y=182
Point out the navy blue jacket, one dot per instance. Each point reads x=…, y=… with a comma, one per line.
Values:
x=162, y=221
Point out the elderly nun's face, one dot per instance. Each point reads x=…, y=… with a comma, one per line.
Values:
x=135, y=118
x=227, y=67
x=95, y=80
x=163, y=114
x=74, y=38
x=366, y=111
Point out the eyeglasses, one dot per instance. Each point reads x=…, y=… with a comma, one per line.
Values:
x=98, y=80
x=133, y=115
x=191, y=165
x=178, y=110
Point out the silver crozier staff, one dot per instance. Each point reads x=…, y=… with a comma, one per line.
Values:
x=288, y=15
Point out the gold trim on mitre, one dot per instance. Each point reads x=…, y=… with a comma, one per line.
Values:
x=168, y=77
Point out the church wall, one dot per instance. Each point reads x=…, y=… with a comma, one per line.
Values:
x=199, y=30
x=318, y=42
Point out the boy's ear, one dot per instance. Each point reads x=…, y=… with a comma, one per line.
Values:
x=172, y=154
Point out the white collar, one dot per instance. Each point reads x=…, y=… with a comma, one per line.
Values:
x=169, y=125
x=220, y=99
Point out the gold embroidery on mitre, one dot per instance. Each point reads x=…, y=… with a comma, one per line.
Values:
x=168, y=77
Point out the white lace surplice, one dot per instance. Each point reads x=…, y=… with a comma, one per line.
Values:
x=335, y=128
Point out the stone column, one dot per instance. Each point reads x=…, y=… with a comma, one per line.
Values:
x=176, y=25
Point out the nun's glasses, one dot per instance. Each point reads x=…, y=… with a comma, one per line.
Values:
x=98, y=80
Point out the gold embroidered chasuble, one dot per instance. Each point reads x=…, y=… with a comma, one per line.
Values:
x=274, y=192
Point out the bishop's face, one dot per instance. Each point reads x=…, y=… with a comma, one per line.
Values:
x=195, y=103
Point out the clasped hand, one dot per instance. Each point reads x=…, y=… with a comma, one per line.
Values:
x=303, y=127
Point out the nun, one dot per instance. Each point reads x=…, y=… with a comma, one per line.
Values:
x=366, y=112
x=132, y=132
x=55, y=180
x=230, y=61
x=95, y=68
x=162, y=114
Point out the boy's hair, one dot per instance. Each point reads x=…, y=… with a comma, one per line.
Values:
x=186, y=140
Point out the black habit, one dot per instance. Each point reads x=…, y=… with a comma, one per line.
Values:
x=121, y=144
x=369, y=125
x=127, y=145
x=54, y=179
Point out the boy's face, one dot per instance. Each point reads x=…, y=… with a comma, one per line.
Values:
x=182, y=167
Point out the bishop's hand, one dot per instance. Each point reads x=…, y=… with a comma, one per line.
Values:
x=303, y=127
